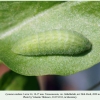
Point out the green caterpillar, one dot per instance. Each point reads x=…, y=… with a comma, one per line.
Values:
x=55, y=42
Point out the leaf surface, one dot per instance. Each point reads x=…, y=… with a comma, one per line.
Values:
x=83, y=17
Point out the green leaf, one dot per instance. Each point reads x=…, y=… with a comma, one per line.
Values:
x=12, y=13
x=13, y=81
x=0, y=61
x=83, y=17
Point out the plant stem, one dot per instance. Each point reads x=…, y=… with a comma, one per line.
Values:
x=93, y=87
